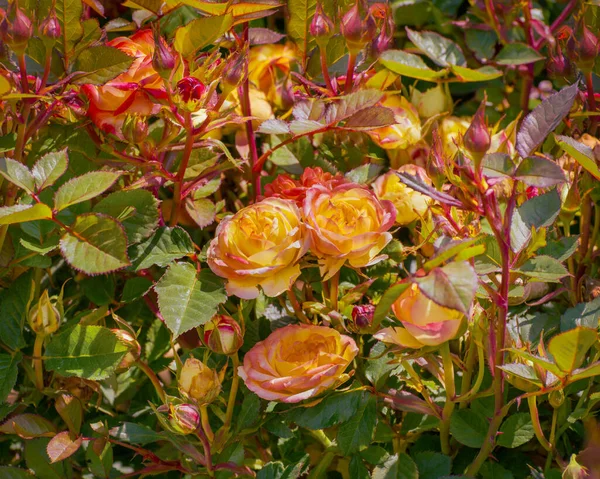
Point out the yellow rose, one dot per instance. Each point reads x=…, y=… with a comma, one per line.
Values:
x=425, y=322
x=407, y=129
x=347, y=223
x=267, y=64
x=198, y=382
x=431, y=102
x=410, y=204
x=259, y=246
x=297, y=362
x=452, y=129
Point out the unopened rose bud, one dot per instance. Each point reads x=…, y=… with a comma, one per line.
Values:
x=184, y=418
x=477, y=138
x=588, y=49
x=559, y=65
x=223, y=335
x=198, y=382
x=44, y=318
x=321, y=26
x=190, y=89
x=556, y=398
x=362, y=317
x=50, y=27
x=532, y=192
x=16, y=29
x=234, y=72
x=575, y=470
x=357, y=28
x=135, y=129
x=163, y=59
x=134, y=348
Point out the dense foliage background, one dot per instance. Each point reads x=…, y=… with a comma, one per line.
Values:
x=340, y=239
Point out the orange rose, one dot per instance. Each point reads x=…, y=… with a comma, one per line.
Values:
x=297, y=362
x=132, y=91
x=410, y=204
x=259, y=246
x=407, y=129
x=286, y=187
x=268, y=63
x=347, y=223
x=425, y=322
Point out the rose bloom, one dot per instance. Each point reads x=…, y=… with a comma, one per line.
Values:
x=132, y=91
x=347, y=223
x=452, y=129
x=297, y=362
x=199, y=382
x=286, y=187
x=259, y=246
x=410, y=204
x=425, y=322
x=407, y=129
x=266, y=64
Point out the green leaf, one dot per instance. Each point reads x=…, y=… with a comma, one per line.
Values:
x=84, y=188
x=95, y=244
x=583, y=314
x=69, y=14
x=17, y=173
x=331, y=411
x=8, y=142
x=397, y=467
x=516, y=431
x=101, y=64
x=370, y=118
x=249, y=414
x=498, y=165
x=62, y=446
x=166, y=245
x=136, y=210
x=544, y=268
x=452, y=286
x=7, y=472
x=583, y=154
x=22, y=213
x=387, y=300
x=271, y=470
x=14, y=302
x=201, y=32
x=8, y=373
x=517, y=54
x=301, y=13
x=485, y=73
x=49, y=168
x=562, y=249
x=135, y=288
x=544, y=118
x=409, y=65
x=134, y=433
x=28, y=426
x=37, y=460
x=482, y=42
x=468, y=427
x=358, y=431
x=540, y=172
x=186, y=298
x=442, y=51
x=201, y=210
x=541, y=210
x=569, y=348
x=89, y=352
x=433, y=465
x=493, y=470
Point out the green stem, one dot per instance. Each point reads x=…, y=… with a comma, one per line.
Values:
x=38, y=364
x=185, y=159
x=466, y=396
x=535, y=420
x=450, y=394
x=552, y=442
x=206, y=424
x=319, y=471
x=233, y=392
x=334, y=284
x=153, y=379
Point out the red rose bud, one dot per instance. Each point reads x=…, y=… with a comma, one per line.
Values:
x=223, y=335
x=134, y=348
x=477, y=138
x=559, y=66
x=185, y=418
x=357, y=28
x=190, y=89
x=163, y=59
x=532, y=192
x=16, y=29
x=362, y=316
x=321, y=25
x=50, y=27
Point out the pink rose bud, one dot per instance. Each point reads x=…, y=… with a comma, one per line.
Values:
x=185, y=418
x=532, y=192
x=559, y=65
x=477, y=138
x=588, y=47
x=223, y=335
x=362, y=316
x=191, y=89
x=321, y=25
x=357, y=28
x=16, y=29
x=50, y=27
x=163, y=59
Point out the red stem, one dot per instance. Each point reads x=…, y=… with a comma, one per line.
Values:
x=591, y=100
x=325, y=70
x=350, y=73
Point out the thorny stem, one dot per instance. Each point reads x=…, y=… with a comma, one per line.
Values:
x=38, y=365
x=350, y=73
x=247, y=112
x=450, y=393
x=187, y=152
x=233, y=392
x=153, y=379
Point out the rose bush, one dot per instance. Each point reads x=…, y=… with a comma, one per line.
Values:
x=340, y=240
